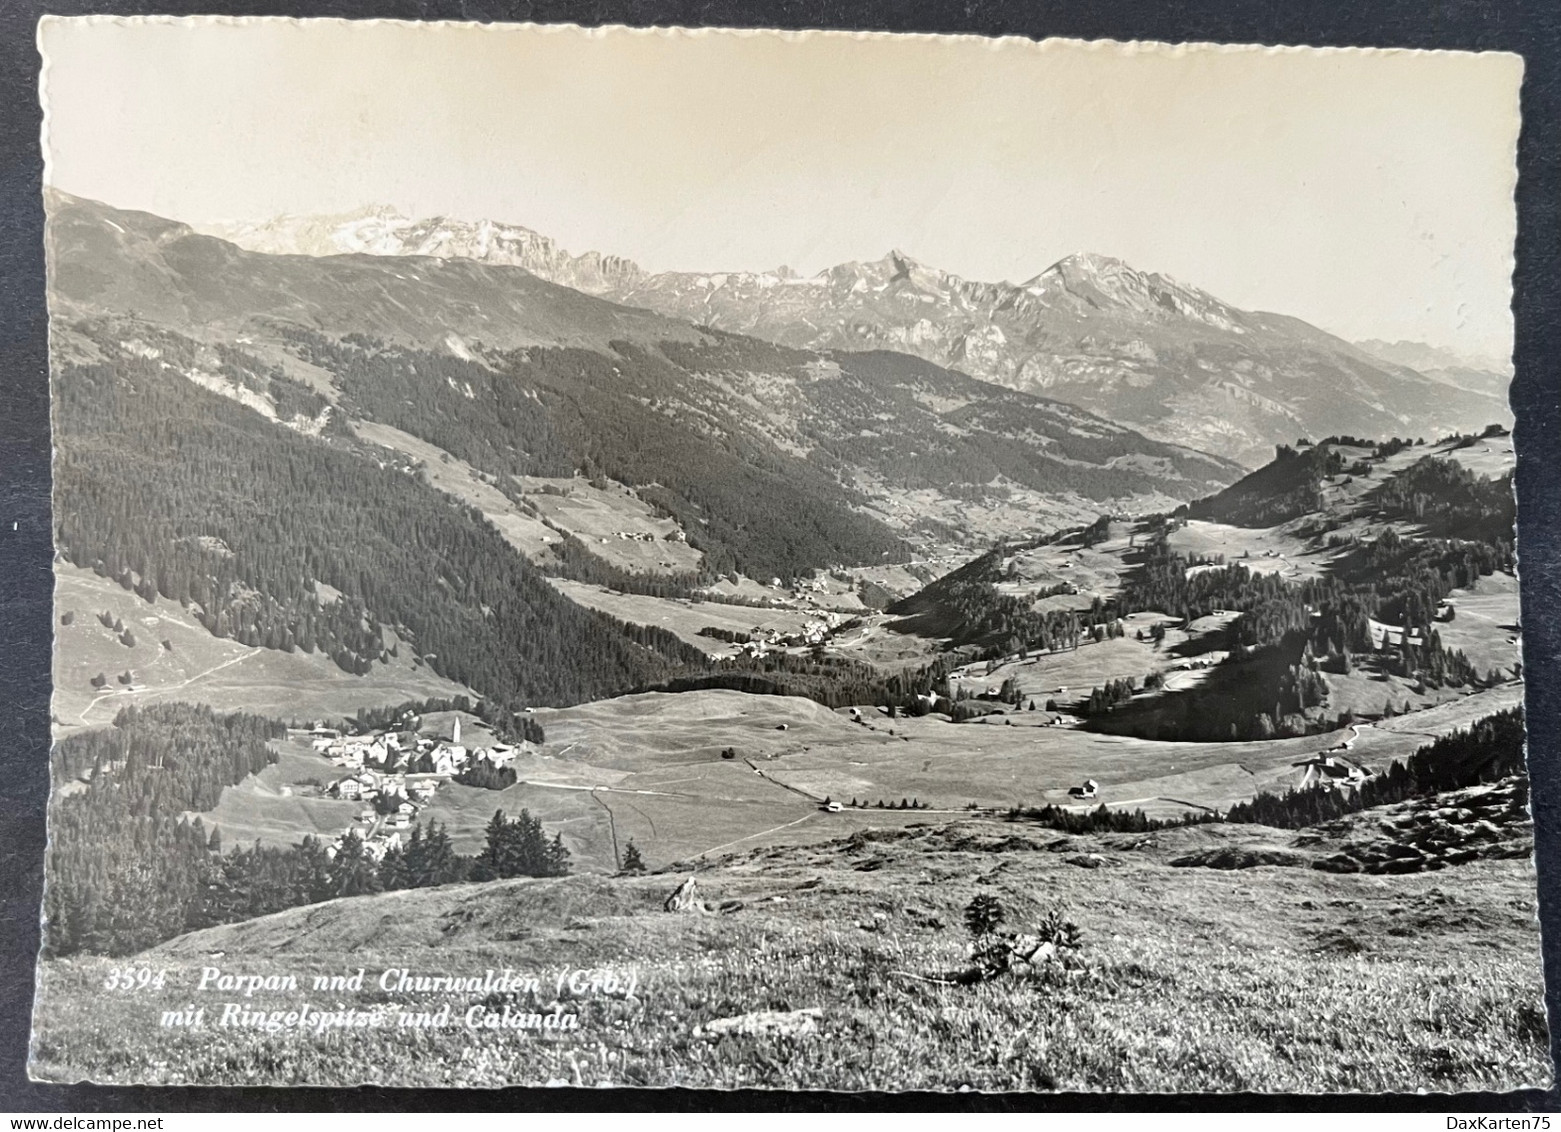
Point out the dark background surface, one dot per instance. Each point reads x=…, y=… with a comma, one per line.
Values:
x=1529, y=27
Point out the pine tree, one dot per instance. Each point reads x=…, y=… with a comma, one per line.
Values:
x=632, y=862
x=352, y=872
x=557, y=859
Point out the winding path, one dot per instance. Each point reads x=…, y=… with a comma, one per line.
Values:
x=161, y=691
x=761, y=833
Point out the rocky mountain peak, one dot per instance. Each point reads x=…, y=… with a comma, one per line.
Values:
x=1137, y=347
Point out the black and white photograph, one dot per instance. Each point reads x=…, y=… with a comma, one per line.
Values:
x=782, y=560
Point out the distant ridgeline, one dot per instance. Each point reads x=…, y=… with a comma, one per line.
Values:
x=126, y=870
x=170, y=489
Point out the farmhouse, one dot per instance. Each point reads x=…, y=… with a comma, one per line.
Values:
x=374, y=847
x=1328, y=770
x=1391, y=636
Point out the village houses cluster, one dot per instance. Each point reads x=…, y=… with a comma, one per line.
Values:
x=650, y=536
x=395, y=774
x=815, y=631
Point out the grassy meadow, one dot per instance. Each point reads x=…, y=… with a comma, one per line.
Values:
x=196, y=667
x=1189, y=979
x=649, y=767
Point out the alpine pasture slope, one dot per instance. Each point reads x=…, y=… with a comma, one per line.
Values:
x=847, y=636
x=1270, y=979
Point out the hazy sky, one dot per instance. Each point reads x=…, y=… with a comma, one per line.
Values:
x=1367, y=192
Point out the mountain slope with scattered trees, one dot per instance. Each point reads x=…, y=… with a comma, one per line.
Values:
x=775, y=461
x=171, y=489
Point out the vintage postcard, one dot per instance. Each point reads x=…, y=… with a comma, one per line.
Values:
x=783, y=560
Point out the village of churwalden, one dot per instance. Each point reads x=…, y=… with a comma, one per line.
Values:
x=483, y=663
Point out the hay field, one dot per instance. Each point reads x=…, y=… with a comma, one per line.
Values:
x=683, y=617
x=598, y=516
x=1267, y=550
x=594, y=515
x=1491, y=456
x=1485, y=623
x=654, y=729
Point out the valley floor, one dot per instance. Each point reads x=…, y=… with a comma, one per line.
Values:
x=1267, y=978
x=650, y=768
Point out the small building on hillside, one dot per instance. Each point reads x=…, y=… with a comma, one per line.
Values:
x=1385, y=636
x=1329, y=770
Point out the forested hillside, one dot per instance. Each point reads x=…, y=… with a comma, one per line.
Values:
x=1435, y=491
x=966, y=607
x=1449, y=500
x=746, y=504
x=1285, y=488
x=774, y=461
x=124, y=868
x=169, y=488
x=1381, y=561
x=770, y=492
x=917, y=425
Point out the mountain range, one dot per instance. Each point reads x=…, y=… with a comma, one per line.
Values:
x=774, y=460
x=1138, y=348
x=1484, y=375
